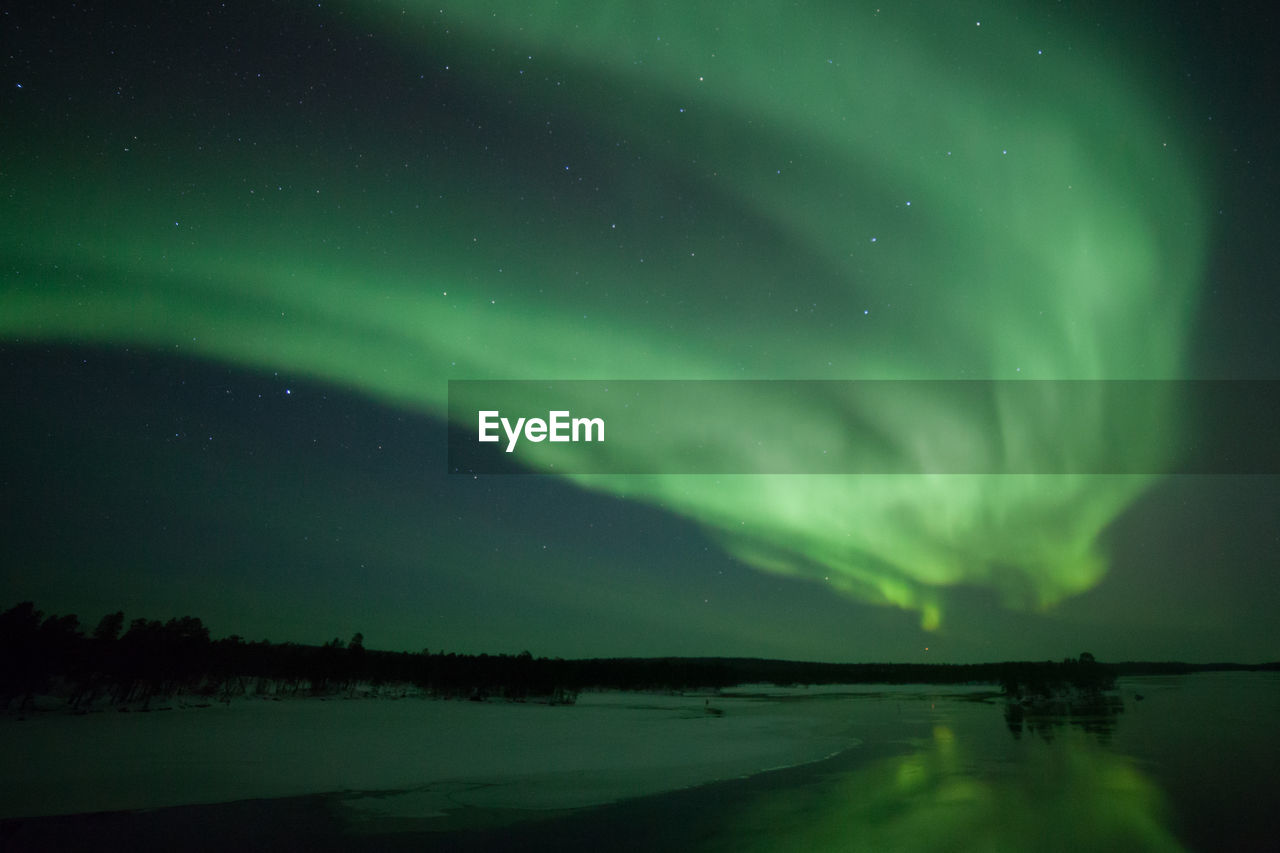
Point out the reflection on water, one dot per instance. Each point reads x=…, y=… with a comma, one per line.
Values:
x=1094, y=713
x=1190, y=766
x=1163, y=763
x=1071, y=794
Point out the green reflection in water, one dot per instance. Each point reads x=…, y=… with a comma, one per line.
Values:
x=1071, y=795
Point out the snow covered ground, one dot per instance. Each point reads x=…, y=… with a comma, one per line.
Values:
x=411, y=757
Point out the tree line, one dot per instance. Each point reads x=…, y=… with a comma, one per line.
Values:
x=50, y=654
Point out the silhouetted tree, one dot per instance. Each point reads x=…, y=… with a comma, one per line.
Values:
x=20, y=658
x=40, y=653
x=58, y=646
x=109, y=627
x=356, y=659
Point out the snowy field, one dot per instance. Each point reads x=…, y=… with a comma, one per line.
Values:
x=409, y=757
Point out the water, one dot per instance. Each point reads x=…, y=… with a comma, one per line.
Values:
x=1190, y=766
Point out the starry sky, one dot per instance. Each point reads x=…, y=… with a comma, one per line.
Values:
x=247, y=245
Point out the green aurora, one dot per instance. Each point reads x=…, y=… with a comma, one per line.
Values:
x=668, y=192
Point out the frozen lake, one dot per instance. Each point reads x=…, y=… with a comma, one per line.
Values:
x=442, y=754
x=1189, y=766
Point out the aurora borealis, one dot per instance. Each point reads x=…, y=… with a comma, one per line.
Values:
x=320, y=214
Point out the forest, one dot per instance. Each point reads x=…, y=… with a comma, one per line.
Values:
x=51, y=655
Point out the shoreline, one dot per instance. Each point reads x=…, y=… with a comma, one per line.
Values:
x=411, y=758
x=320, y=822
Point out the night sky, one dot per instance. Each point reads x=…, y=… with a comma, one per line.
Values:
x=246, y=245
